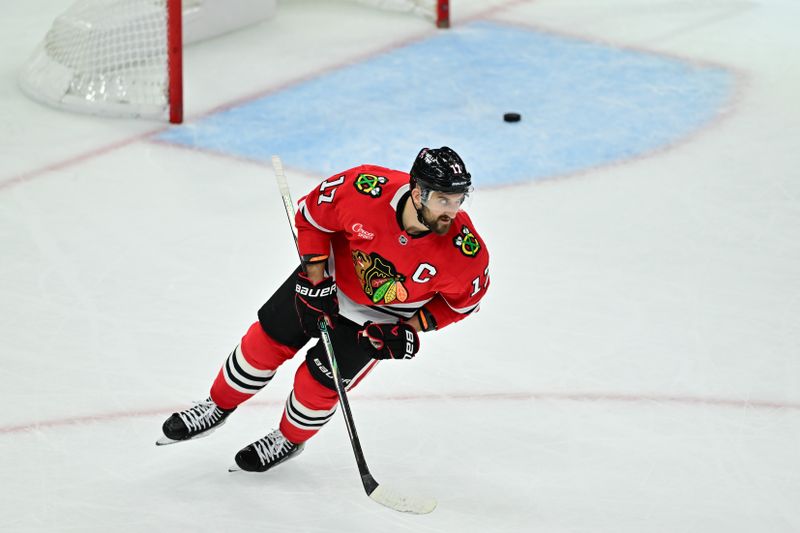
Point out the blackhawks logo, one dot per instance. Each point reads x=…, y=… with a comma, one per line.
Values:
x=369, y=184
x=467, y=242
x=379, y=278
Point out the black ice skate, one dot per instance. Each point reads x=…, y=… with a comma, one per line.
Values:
x=198, y=421
x=266, y=453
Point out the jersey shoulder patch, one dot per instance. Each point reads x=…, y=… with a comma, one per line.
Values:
x=377, y=182
x=466, y=240
x=370, y=183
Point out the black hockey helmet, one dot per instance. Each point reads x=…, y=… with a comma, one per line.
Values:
x=440, y=169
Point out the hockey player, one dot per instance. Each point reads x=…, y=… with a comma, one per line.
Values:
x=386, y=254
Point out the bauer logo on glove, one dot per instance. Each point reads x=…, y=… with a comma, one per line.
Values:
x=312, y=292
x=389, y=341
x=315, y=301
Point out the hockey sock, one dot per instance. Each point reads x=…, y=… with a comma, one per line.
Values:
x=309, y=406
x=248, y=368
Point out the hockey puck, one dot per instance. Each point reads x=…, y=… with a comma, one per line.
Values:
x=512, y=117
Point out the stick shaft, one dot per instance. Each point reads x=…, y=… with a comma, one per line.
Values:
x=366, y=477
x=288, y=206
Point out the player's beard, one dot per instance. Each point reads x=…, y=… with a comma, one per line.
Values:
x=440, y=225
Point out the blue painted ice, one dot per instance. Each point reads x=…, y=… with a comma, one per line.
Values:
x=583, y=104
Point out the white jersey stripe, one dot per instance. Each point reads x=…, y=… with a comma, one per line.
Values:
x=307, y=215
x=462, y=310
x=399, y=194
x=360, y=314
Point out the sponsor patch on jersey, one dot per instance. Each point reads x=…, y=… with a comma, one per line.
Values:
x=467, y=242
x=379, y=278
x=370, y=184
x=358, y=229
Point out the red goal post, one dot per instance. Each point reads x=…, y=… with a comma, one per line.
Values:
x=124, y=57
x=438, y=10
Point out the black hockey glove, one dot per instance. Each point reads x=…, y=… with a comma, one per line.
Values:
x=389, y=341
x=315, y=301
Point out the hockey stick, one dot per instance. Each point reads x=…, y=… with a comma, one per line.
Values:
x=380, y=493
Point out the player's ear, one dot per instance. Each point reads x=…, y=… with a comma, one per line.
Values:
x=416, y=194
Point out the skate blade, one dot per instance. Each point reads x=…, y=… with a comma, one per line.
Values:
x=166, y=441
x=237, y=468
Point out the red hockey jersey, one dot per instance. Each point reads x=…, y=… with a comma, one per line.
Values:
x=383, y=273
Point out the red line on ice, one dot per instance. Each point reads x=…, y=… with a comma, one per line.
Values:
x=654, y=399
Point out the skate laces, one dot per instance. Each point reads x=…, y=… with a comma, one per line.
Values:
x=201, y=416
x=272, y=447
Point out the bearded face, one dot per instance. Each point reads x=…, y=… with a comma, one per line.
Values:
x=438, y=209
x=439, y=224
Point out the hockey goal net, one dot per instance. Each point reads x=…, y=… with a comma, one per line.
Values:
x=124, y=57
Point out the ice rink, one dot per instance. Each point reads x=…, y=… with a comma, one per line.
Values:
x=635, y=366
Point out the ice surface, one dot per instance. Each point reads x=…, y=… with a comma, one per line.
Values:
x=634, y=366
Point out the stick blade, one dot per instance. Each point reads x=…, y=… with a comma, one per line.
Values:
x=402, y=502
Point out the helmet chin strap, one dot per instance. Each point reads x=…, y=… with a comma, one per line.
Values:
x=419, y=214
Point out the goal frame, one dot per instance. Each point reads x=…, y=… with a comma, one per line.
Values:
x=54, y=77
x=175, y=60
